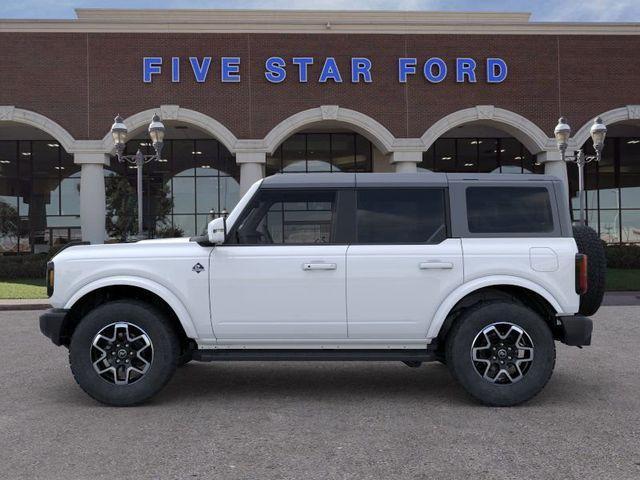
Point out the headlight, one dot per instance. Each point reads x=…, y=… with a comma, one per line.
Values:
x=50, y=278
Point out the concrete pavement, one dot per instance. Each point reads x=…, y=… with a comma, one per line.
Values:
x=322, y=420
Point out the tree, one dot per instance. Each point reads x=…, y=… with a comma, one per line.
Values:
x=9, y=221
x=122, y=207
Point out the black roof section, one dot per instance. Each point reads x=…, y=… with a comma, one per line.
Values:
x=420, y=179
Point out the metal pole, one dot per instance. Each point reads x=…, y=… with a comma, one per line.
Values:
x=582, y=194
x=139, y=164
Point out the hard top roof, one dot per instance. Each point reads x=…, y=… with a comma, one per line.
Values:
x=420, y=179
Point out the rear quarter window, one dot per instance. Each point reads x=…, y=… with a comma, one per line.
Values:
x=517, y=210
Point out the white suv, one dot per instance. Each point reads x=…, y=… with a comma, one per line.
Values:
x=480, y=272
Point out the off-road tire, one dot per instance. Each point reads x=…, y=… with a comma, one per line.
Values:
x=166, y=350
x=589, y=243
x=458, y=351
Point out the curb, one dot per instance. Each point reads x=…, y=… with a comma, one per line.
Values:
x=8, y=307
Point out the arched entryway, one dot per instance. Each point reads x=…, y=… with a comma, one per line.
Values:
x=39, y=184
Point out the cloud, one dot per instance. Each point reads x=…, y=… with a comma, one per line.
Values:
x=543, y=10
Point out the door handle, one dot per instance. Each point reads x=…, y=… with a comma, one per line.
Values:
x=436, y=265
x=319, y=266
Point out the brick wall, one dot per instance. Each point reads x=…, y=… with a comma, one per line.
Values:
x=82, y=80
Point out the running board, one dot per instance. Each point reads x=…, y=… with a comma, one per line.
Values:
x=323, y=355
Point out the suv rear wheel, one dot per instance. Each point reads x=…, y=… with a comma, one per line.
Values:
x=122, y=353
x=501, y=352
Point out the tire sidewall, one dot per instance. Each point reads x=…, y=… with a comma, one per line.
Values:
x=460, y=341
x=165, y=353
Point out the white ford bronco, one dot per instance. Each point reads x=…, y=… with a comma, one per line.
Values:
x=480, y=272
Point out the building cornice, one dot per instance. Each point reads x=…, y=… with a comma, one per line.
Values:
x=314, y=22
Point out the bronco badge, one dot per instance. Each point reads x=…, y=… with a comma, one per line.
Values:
x=198, y=268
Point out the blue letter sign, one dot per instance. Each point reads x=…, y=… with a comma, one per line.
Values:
x=496, y=70
x=275, y=69
x=200, y=71
x=151, y=66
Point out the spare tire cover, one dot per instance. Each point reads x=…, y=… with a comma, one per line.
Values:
x=589, y=243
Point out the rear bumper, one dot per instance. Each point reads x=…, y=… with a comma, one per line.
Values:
x=53, y=323
x=575, y=330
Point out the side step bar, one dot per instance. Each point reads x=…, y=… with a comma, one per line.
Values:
x=324, y=355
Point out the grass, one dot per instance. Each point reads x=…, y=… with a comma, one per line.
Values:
x=617, y=280
x=24, y=288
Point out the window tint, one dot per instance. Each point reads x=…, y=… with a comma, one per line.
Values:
x=288, y=217
x=401, y=216
x=509, y=210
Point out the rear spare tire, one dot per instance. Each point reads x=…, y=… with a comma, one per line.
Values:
x=589, y=243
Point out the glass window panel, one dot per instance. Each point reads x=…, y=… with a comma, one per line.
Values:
x=67, y=167
x=183, y=195
x=364, y=160
x=629, y=149
x=343, y=150
x=293, y=154
x=230, y=166
x=609, y=198
x=610, y=226
x=45, y=159
x=207, y=194
x=401, y=216
x=202, y=222
x=66, y=221
x=9, y=191
x=631, y=226
x=70, y=196
x=206, y=157
x=291, y=217
x=229, y=193
x=274, y=162
x=511, y=155
x=318, y=152
x=467, y=151
x=8, y=159
x=488, y=154
x=445, y=155
x=44, y=197
x=428, y=159
x=183, y=157
x=186, y=223
x=24, y=159
x=509, y=210
x=9, y=220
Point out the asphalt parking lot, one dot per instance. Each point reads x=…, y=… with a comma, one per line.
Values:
x=323, y=420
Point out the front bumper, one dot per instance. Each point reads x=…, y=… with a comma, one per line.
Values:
x=575, y=330
x=53, y=325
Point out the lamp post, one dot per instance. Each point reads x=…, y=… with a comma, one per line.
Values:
x=562, y=133
x=119, y=133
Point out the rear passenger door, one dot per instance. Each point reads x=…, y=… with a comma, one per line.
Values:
x=402, y=264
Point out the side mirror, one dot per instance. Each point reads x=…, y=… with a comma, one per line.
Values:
x=217, y=230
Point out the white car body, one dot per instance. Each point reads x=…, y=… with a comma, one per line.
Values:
x=319, y=296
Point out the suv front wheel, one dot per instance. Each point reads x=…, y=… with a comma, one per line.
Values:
x=123, y=352
x=501, y=352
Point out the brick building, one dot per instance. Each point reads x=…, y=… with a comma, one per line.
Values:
x=251, y=93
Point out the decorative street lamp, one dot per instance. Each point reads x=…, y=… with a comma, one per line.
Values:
x=562, y=133
x=156, y=132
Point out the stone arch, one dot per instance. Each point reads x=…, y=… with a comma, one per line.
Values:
x=177, y=113
x=629, y=112
x=373, y=130
x=521, y=128
x=9, y=113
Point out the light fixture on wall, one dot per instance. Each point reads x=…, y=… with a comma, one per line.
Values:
x=119, y=133
x=562, y=133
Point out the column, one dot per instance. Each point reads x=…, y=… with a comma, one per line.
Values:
x=251, y=168
x=92, y=195
x=553, y=165
x=406, y=162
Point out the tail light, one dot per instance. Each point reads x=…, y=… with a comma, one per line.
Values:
x=582, y=283
x=50, y=278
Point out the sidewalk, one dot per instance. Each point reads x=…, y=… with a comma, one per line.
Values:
x=610, y=299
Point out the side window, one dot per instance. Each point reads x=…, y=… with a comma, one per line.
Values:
x=288, y=217
x=398, y=215
x=509, y=210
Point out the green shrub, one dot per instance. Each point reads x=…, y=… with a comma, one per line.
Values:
x=23, y=266
x=623, y=256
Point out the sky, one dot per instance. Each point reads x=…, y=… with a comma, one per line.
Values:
x=542, y=10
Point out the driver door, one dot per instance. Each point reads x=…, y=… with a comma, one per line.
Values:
x=282, y=272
